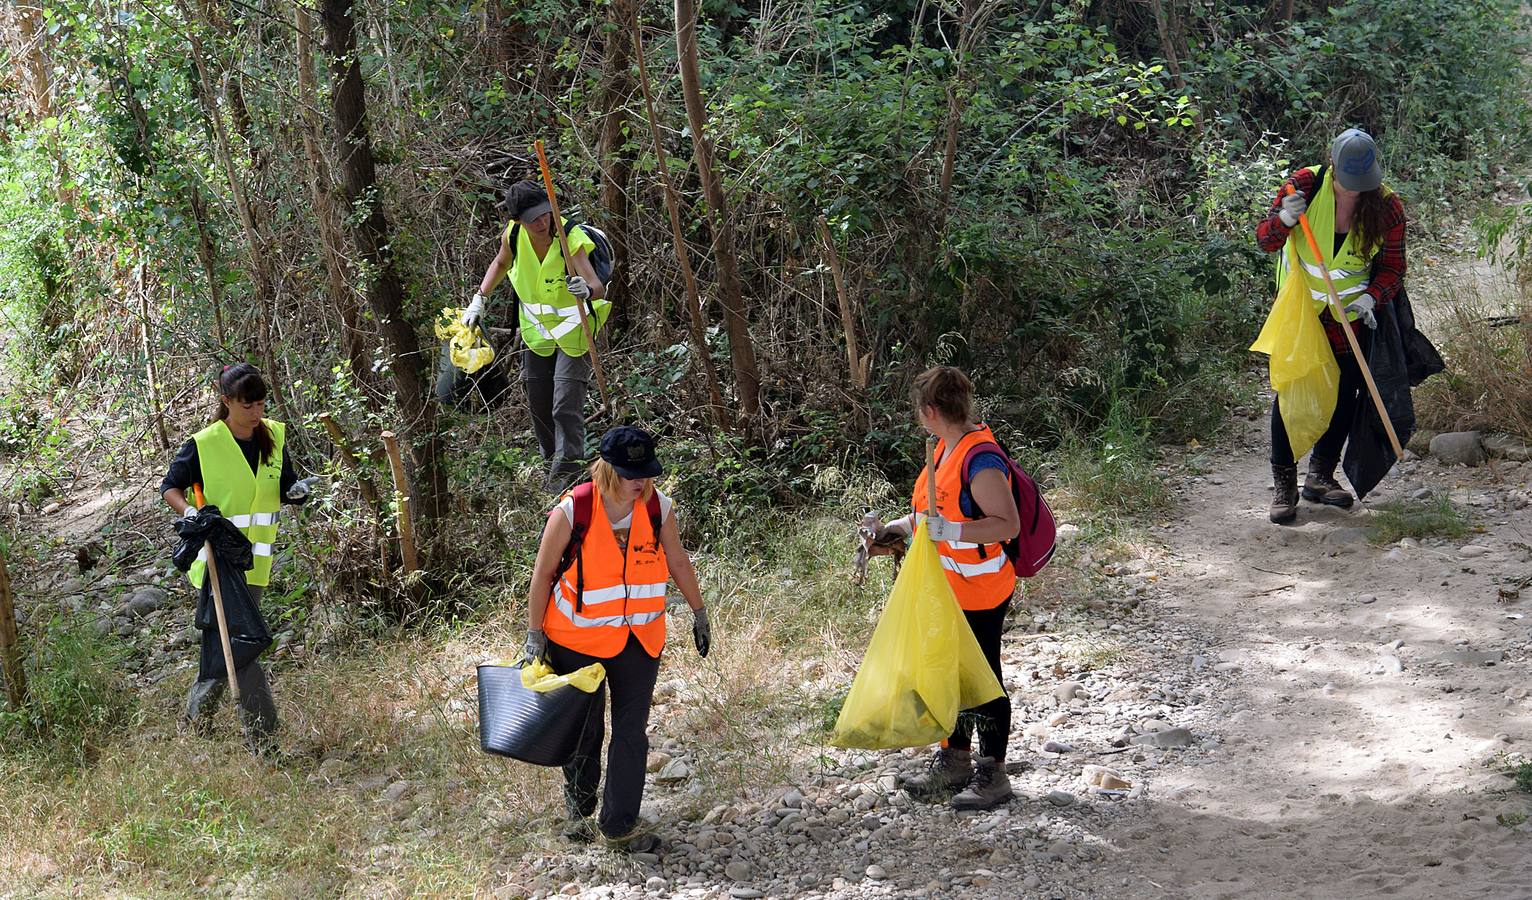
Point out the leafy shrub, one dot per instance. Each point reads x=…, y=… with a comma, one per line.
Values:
x=74, y=699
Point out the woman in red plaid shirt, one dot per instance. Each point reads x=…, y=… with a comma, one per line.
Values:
x=1359, y=226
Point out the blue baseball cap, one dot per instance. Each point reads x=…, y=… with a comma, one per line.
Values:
x=630, y=451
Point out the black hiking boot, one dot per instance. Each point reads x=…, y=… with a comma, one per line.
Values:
x=1284, y=494
x=1320, y=486
x=988, y=788
x=948, y=770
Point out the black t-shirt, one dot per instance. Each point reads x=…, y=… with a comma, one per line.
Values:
x=186, y=468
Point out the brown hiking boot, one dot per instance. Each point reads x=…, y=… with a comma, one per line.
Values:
x=948, y=770
x=1320, y=486
x=988, y=788
x=1284, y=494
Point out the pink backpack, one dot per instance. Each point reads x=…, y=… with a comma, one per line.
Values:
x=1031, y=549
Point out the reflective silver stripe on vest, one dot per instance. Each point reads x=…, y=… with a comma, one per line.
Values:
x=246, y=521
x=970, y=570
x=565, y=605
x=255, y=550
x=569, y=319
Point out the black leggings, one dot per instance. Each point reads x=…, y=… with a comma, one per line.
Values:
x=1348, y=399
x=993, y=719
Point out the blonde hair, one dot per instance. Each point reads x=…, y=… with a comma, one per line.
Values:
x=609, y=483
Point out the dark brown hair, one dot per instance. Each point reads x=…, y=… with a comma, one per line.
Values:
x=243, y=382
x=946, y=390
x=1369, y=223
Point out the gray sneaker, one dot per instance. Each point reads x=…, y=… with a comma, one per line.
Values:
x=988, y=788
x=948, y=770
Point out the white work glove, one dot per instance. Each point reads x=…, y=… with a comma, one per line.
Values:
x=943, y=530
x=474, y=312
x=302, y=488
x=904, y=527
x=578, y=287
x=1362, y=307
x=189, y=513
x=1293, y=206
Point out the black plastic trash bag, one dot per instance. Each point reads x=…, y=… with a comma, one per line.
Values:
x=542, y=728
x=248, y=634
x=489, y=386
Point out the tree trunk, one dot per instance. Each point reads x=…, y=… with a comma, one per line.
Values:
x=615, y=163
x=385, y=289
x=320, y=186
x=209, y=259
x=856, y=365
x=260, y=273
x=1162, y=24
x=34, y=63
x=747, y=376
x=10, y=647
x=696, y=321
x=151, y=376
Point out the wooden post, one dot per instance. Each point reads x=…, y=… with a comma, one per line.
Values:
x=402, y=491
x=847, y=318
x=155, y=410
x=349, y=460
x=10, y=649
x=695, y=320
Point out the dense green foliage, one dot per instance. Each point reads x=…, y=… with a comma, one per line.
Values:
x=1091, y=261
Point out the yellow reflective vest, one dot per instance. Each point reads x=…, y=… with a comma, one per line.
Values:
x=251, y=500
x=1350, y=272
x=549, y=314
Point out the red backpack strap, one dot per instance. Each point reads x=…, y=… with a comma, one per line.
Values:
x=584, y=503
x=656, y=516
x=974, y=451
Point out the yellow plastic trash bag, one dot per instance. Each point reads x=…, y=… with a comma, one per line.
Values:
x=465, y=345
x=1303, y=369
x=922, y=666
x=539, y=677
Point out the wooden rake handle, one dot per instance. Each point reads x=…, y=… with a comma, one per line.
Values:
x=223, y=624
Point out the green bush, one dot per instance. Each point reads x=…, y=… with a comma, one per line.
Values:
x=75, y=696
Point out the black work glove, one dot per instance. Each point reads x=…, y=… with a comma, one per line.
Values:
x=702, y=631
x=535, y=648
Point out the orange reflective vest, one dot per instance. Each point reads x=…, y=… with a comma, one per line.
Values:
x=980, y=574
x=624, y=590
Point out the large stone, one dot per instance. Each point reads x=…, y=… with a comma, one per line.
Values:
x=1169, y=739
x=144, y=601
x=738, y=870
x=1459, y=448
x=1504, y=446
x=1420, y=442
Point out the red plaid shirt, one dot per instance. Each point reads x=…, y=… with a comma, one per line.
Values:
x=1387, y=263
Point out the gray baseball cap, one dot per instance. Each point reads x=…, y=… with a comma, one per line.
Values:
x=533, y=213
x=1355, y=158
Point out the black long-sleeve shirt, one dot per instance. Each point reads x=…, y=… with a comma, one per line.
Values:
x=186, y=469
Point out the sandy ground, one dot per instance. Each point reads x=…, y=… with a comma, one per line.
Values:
x=1365, y=706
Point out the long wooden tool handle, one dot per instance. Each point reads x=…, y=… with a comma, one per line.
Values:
x=223, y=624
x=1339, y=313
x=930, y=476
x=558, y=228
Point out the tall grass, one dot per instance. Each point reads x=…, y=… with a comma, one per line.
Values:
x=1488, y=381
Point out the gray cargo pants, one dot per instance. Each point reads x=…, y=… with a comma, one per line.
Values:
x=556, y=386
x=258, y=710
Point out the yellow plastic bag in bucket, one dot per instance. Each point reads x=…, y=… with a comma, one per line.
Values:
x=465, y=346
x=539, y=677
x=922, y=666
x=1303, y=369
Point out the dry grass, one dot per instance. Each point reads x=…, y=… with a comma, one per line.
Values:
x=1488, y=382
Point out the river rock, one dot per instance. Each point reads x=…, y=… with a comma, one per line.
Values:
x=145, y=600
x=1169, y=739
x=1459, y=448
x=1504, y=446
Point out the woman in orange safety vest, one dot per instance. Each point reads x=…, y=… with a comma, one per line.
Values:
x=608, y=605
x=975, y=515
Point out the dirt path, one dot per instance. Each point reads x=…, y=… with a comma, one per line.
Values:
x=1364, y=707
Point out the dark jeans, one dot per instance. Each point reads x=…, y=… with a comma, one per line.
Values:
x=630, y=677
x=257, y=708
x=1352, y=391
x=993, y=719
x=556, y=386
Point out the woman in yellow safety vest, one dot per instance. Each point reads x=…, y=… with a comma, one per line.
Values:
x=556, y=366
x=1358, y=224
x=976, y=514
x=601, y=598
x=242, y=463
